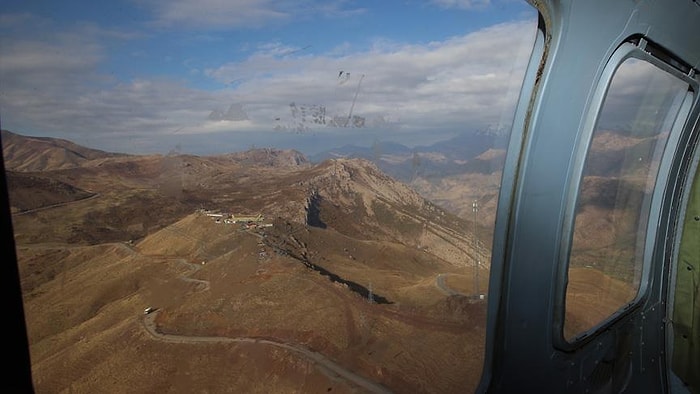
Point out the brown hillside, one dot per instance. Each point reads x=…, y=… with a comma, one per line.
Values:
x=28, y=192
x=341, y=274
x=23, y=153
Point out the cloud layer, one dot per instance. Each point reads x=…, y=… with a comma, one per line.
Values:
x=226, y=14
x=57, y=85
x=466, y=81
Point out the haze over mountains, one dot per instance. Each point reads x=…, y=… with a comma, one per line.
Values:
x=335, y=189
x=457, y=155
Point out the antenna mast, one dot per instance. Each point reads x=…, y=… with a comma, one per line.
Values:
x=357, y=90
x=475, y=209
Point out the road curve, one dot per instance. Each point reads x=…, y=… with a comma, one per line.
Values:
x=440, y=283
x=316, y=358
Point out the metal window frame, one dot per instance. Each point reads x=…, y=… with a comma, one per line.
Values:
x=627, y=50
x=579, y=39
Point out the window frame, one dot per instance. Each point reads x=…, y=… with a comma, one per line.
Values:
x=632, y=48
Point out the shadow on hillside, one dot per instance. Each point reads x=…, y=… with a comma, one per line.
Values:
x=313, y=213
x=353, y=286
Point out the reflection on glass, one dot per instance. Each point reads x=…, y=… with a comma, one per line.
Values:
x=308, y=198
x=612, y=209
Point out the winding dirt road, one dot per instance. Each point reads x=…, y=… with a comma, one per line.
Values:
x=440, y=283
x=327, y=365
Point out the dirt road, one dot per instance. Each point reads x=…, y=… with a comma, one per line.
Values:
x=440, y=283
x=325, y=364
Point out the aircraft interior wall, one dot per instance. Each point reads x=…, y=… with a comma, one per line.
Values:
x=686, y=311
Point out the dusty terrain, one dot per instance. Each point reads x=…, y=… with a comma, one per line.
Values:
x=335, y=290
x=349, y=281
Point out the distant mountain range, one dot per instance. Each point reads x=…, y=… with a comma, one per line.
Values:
x=460, y=154
x=451, y=173
x=351, y=195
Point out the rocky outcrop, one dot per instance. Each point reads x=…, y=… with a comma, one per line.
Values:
x=269, y=157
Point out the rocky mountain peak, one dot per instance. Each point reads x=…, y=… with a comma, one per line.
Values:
x=270, y=157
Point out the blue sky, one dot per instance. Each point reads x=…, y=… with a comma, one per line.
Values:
x=212, y=76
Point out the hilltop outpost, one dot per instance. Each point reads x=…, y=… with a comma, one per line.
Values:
x=248, y=221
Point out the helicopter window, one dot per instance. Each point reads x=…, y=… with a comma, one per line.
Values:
x=613, y=204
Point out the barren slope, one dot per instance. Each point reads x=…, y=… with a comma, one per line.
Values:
x=345, y=268
x=23, y=153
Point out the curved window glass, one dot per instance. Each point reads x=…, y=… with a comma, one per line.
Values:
x=612, y=211
x=301, y=192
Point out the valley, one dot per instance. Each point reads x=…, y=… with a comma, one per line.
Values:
x=342, y=267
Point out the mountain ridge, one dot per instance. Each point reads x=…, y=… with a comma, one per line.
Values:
x=24, y=153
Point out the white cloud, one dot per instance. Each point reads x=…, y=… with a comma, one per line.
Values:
x=54, y=87
x=227, y=14
x=215, y=13
x=463, y=83
x=463, y=80
x=461, y=4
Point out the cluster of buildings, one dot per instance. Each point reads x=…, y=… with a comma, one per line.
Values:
x=247, y=221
